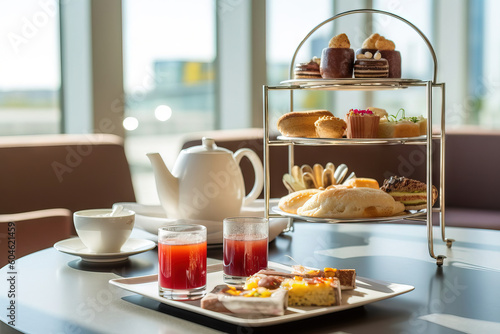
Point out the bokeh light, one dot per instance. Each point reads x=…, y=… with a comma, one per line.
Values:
x=130, y=123
x=163, y=113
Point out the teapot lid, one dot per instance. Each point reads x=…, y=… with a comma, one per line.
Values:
x=207, y=146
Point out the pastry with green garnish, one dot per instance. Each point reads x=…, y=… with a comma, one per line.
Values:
x=400, y=126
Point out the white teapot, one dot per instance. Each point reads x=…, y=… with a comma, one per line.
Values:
x=206, y=182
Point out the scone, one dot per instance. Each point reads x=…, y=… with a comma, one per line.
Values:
x=342, y=202
x=300, y=123
x=330, y=127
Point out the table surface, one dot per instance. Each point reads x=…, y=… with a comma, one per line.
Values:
x=58, y=293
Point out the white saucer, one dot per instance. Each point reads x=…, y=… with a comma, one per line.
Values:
x=132, y=246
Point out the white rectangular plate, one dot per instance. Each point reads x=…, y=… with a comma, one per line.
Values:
x=367, y=291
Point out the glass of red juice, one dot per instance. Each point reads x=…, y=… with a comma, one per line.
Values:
x=245, y=246
x=182, y=261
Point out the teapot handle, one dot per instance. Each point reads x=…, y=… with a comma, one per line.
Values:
x=258, y=170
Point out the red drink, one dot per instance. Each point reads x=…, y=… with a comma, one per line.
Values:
x=182, y=266
x=244, y=257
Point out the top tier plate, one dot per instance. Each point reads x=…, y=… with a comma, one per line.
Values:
x=352, y=83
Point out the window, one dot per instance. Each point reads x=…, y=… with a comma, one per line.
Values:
x=416, y=60
x=30, y=67
x=486, y=82
x=169, y=49
x=288, y=22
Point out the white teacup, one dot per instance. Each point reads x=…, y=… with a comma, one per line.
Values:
x=101, y=232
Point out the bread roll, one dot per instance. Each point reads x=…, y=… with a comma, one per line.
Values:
x=291, y=202
x=342, y=202
x=300, y=123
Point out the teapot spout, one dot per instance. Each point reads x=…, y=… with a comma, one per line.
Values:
x=167, y=185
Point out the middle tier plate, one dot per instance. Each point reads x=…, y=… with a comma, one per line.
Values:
x=359, y=141
x=403, y=215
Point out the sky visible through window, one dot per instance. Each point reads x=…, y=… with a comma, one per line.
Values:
x=29, y=47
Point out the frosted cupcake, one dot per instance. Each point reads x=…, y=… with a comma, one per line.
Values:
x=362, y=124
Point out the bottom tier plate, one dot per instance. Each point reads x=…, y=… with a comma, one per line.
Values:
x=402, y=215
x=367, y=291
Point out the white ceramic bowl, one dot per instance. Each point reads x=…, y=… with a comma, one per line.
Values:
x=102, y=233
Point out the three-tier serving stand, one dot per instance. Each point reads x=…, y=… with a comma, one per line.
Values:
x=292, y=85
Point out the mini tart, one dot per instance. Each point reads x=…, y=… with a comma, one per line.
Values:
x=362, y=124
x=330, y=127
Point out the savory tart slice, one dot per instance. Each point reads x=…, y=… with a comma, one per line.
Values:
x=316, y=291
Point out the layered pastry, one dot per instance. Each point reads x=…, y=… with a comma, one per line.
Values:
x=309, y=70
x=362, y=124
x=337, y=60
x=387, y=50
x=370, y=66
x=330, y=127
x=396, y=126
x=422, y=124
x=300, y=123
x=412, y=193
x=397, y=129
